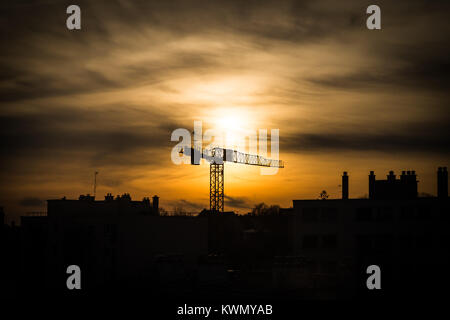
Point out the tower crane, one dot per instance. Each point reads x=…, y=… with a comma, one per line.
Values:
x=216, y=157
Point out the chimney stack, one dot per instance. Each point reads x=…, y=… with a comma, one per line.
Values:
x=371, y=184
x=109, y=197
x=156, y=204
x=391, y=176
x=345, y=186
x=442, y=181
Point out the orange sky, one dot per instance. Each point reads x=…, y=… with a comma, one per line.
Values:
x=106, y=98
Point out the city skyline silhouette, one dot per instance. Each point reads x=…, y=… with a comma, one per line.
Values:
x=98, y=115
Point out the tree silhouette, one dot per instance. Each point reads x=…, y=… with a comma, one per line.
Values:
x=323, y=195
x=163, y=212
x=263, y=209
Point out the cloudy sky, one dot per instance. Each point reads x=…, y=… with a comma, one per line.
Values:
x=107, y=97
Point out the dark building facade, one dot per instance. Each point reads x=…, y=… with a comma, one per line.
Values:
x=118, y=243
x=442, y=181
x=405, y=235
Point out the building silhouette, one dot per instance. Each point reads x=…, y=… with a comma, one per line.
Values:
x=317, y=249
x=405, y=235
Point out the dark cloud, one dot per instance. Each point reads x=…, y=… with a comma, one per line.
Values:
x=31, y=202
x=432, y=73
x=230, y=202
x=412, y=138
x=187, y=205
x=32, y=71
x=111, y=135
x=237, y=202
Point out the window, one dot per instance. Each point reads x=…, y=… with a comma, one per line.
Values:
x=312, y=267
x=423, y=213
x=329, y=241
x=329, y=214
x=310, y=215
x=444, y=241
x=310, y=242
x=405, y=242
x=445, y=214
x=424, y=241
x=384, y=214
x=383, y=242
x=329, y=267
x=111, y=232
x=406, y=213
x=363, y=243
x=364, y=214
x=91, y=232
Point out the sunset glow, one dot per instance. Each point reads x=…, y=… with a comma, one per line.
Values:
x=107, y=99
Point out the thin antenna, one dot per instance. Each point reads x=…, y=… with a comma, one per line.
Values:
x=95, y=183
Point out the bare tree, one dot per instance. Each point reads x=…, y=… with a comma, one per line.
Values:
x=163, y=212
x=259, y=208
x=179, y=211
x=263, y=209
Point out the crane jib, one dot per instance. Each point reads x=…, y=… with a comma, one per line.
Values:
x=220, y=155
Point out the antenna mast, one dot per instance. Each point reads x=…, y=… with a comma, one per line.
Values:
x=95, y=183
